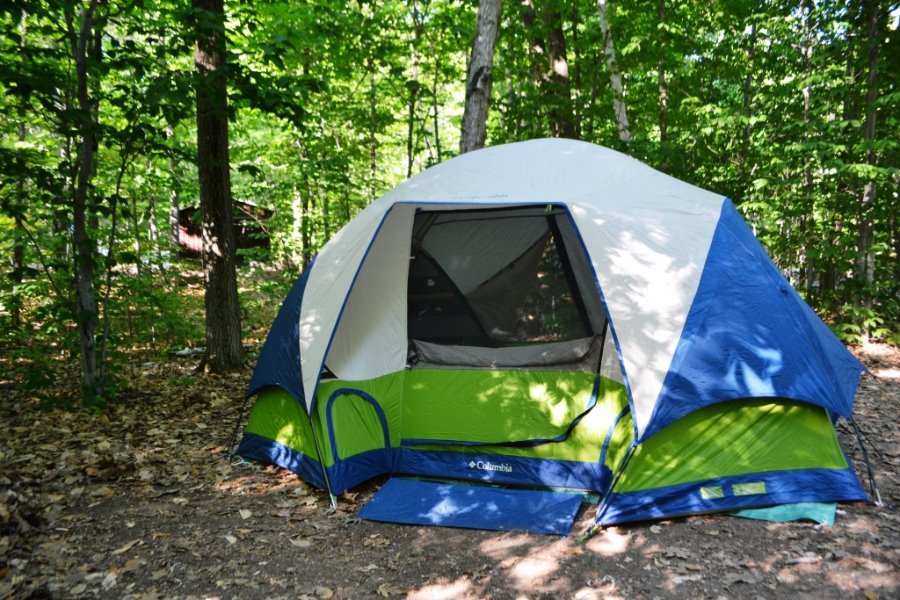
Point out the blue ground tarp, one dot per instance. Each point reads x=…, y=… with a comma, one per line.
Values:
x=416, y=502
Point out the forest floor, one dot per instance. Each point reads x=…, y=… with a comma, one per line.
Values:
x=140, y=502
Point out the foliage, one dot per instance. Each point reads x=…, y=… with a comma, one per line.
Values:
x=332, y=103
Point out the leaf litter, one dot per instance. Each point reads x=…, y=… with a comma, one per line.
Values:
x=141, y=502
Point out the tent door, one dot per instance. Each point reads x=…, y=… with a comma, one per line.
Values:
x=417, y=502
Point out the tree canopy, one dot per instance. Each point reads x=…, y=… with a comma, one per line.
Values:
x=790, y=109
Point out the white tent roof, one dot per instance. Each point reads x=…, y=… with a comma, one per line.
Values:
x=646, y=234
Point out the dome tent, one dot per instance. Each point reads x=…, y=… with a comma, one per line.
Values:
x=553, y=314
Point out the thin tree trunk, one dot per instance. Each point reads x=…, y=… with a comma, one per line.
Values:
x=83, y=51
x=413, y=85
x=174, y=204
x=865, y=262
x=663, y=88
x=19, y=223
x=807, y=218
x=615, y=75
x=224, y=350
x=373, y=130
x=576, y=83
x=136, y=234
x=434, y=105
x=479, y=77
x=747, y=105
x=301, y=211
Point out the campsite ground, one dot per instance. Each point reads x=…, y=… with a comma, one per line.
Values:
x=139, y=502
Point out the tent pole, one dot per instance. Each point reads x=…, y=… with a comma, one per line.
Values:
x=869, y=471
x=331, y=497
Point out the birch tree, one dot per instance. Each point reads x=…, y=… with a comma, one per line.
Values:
x=615, y=76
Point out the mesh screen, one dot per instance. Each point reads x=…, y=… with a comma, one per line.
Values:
x=493, y=278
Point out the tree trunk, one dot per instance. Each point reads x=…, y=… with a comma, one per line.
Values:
x=615, y=76
x=18, y=259
x=224, y=350
x=373, y=130
x=807, y=216
x=562, y=120
x=865, y=258
x=413, y=85
x=479, y=77
x=174, y=208
x=663, y=88
x=576, y=82
x=436, y=124
x=136, y=234
x=83, y=52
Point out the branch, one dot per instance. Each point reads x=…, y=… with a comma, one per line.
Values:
x=60, y=296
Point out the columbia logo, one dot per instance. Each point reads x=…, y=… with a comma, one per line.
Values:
x=489, y=466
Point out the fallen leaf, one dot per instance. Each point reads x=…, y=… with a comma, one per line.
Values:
x=324, y=593
x=300, y=542
x=109, y=581
x=131, y=565
x=126, y=547
x=245, y=514
x=230, y=539
x=685, y=578
x=386, y=590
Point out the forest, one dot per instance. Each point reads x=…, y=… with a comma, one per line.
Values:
x=125, y=123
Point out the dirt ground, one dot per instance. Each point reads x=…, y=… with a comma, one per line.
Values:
x=140, y=503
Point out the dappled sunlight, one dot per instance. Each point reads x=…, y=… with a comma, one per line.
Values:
x=505, y=405
x=459, y=589
x=504, y=546
x=609, y=542
x=531, y=570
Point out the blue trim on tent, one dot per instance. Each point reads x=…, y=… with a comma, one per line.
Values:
x=385, y=430
x=750, y=335
x=780, y=487
x=500, y=468
x=279, y=360
x=609, y=433
x=353, y=470
x=609, y=322
x=265, y=450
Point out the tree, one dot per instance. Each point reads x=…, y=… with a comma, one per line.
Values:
x=86, y=50
x=224, y=349
x=479, y=77
x=615, y=75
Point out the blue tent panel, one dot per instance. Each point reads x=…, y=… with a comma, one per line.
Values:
x=279, y=360
x=415, y=502
x=732, y=493
x=264, y=450
x=750, y=335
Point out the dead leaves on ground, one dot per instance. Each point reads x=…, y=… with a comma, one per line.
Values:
x=140, y=503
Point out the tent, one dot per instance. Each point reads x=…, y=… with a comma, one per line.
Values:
x=547, y=315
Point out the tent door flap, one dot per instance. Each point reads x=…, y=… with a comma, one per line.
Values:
x=417, y=502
